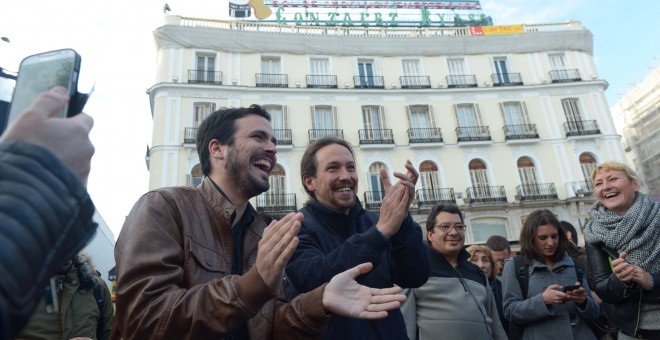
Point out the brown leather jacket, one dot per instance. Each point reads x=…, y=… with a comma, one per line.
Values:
x=173, y=261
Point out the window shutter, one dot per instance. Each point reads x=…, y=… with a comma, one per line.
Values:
x=477, y=113
x=285, y=118
x=334, y=117
x=431, y=116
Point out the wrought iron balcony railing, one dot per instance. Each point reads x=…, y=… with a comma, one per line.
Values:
x=283, y=136
x=426, y=135
x=429, y=197
x=415, y=82
x=373, y=200
x=376, y=136
x=321, y=81
x=204, y=77
x=189, y=135
x=582, y=188
x=486, y=194
x=473, y=133
x=506, y=79
x=462, y=80
x=272, y=80
x=561, y=76
x=276, y=203
x=536, y=192
x=368, y=82
x=522, y=131
x=581, y=127
x=315, y=134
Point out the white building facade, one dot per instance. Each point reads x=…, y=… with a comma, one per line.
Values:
x=637, y=118
x=499, y=124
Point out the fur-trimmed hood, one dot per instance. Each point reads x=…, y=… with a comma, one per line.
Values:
x=86, y=271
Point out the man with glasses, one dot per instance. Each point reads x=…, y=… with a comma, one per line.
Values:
x=456, y=302
x=501, y=250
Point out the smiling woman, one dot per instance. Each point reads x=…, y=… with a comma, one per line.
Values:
x=625, y=229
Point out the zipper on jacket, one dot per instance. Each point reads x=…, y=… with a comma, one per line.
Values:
x=639, y=312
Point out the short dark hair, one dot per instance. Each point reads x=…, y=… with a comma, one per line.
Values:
x=221, y=125
x=308, y=162
x=437, y=209
x=566, y=226
x=534, y=220
x=498, y=243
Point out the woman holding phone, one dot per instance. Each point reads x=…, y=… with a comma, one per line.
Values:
x=556, y=305
x=623, y=250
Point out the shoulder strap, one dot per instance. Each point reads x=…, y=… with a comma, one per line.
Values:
x=522, y=273
x=99, y=302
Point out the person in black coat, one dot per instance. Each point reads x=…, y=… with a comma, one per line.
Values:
x=45, y=210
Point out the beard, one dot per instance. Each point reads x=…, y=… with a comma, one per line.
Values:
x=241, y=172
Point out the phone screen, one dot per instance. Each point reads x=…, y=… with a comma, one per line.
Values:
x=41, y=72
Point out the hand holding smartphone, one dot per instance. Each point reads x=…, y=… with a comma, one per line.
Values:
x=41, y=72
x=570, y=288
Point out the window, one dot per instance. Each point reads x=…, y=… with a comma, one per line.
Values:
x=276, y=194
x=501, y=70
x=201, y=111
x=456, y=66
x=411, y=73
x=420, y=117
x=479, y=178
x=527, y=173
x=557, y=62
x=324, y=117
x=375, y=182
x=374, y=118
x=319, y=66
x=516, y=118
x=428, y=175
x=270, y=65
x=366, y=72
x=484, y=228
x=571, y=110
x=205, y=69
x=468, y=115
x=196, y=176
x=278, y=116
x=588, y=164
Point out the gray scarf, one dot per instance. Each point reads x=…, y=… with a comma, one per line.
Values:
x=637, y=232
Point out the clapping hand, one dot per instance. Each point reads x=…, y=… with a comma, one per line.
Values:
x=344, y=296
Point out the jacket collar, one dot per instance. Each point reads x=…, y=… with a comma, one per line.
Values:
x=216, y=199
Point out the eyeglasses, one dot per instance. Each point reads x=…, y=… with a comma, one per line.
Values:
x=445, y=228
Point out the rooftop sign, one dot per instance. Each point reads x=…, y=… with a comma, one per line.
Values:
x=384, y=13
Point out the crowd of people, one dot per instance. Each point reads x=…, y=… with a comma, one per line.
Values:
x=199, y=262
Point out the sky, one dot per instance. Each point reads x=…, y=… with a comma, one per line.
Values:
x=115, y=40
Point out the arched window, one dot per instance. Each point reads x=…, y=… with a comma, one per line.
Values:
x=196, y=176
x=527, y=172
x=588, y=164
x=276, y=194
x=375, y=183
x=479, y=178
x=428, y=176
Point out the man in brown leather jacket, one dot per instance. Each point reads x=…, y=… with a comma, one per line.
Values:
x=199, y=263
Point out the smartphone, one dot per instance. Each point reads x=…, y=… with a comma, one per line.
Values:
x=569, y=288
x=41, y=72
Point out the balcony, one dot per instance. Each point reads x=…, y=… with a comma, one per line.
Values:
x=506, y=79
x=272, y=80
x=430, y=197
x=283, y=136
x=376, y=136
x=426, y=135
x=461, y=80
x=276, y=204
x=563, y=76
x=536, y=192
x=368, y=82
x=321, y=81
x=473, y=133
x=315, y=134
x=189, y=135
x=523, y=131
x=486, y=194
x=582, y=188
x=373, y=200
x=415, y=82
x=581, y=128
x=204, y=77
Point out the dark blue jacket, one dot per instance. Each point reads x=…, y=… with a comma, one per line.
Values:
x=332, y=242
